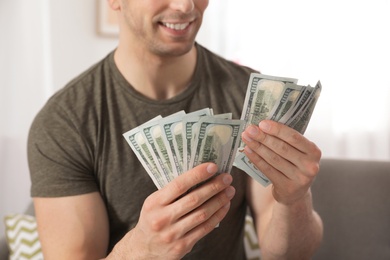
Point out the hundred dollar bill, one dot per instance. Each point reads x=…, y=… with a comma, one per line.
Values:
x=303, y=98
x=189, y=125
x=262, y=93
x=286, y=101
x=301, y=120
x=153, y=133
x=138, y=144
x=173, y=140
x=243, y=163
x=195, y=131
x=217, y=142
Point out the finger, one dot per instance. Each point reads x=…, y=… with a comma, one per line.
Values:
x=290, y=136
x=187, y=180
x=208, y=209
x=281, y=147
x=280, y=154
x=206, y=227
x=280, y=171
x=307, y=161
x=201, y=194
x=258, y=141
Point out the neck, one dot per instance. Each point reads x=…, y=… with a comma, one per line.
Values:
x=154, y=76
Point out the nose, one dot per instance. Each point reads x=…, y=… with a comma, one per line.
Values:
x=184, y=6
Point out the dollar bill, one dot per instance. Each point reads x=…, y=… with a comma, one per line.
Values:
x=217, y=142
x=286, y=101
x=173, y=140
x=301, y=120
x=302, y=100
x=263, y=92
x=154, y=134
x=138, y=144
x=189, y=127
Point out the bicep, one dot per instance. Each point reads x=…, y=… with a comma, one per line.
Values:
x=74, y=227
x=260, y=201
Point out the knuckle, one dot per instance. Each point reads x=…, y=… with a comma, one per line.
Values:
x=202, y=216
x=149, y=203
x=275, y=158
x=264, y=166
x=193, y=200
x=313, y=169
x=157, y=224
x=296, y=138
x=214, y=187
x=284, y=147
x=168, y=237
x=181, y=248
x=208, y=226
x=315, y=151
x=178, y=186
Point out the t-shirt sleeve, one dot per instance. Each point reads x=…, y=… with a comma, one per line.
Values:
x=60, y=158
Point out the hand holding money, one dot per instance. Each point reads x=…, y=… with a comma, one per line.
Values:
x=278, y=99
x=172, y=220
x=290, y=161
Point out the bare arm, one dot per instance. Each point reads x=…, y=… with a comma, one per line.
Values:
x=74, y=227
x=287, y=225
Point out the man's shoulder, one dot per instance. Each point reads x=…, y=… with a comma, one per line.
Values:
x=87, y=80
x=79, y=96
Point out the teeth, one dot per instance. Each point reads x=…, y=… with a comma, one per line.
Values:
x=176, y=26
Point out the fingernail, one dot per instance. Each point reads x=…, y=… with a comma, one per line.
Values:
x=212, y=168
x=230, y=192
x=253, y=131
x=227, y=205
x=227, y=179
x=246, y=138
x=264, y=126
x=248, y=150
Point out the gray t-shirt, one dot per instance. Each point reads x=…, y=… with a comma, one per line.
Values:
x=76, y=145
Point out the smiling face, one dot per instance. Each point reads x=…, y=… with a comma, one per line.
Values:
x=161, y=27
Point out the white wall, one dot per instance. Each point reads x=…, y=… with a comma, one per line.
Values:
x=44, y=44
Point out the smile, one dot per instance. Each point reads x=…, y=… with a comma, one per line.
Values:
x=176, y=26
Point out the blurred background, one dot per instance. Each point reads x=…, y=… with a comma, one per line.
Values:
x=345, y=44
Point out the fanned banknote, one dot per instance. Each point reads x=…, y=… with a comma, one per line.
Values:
x=138, y=143
x=166, y=146
x=217, y=141
x=279, y=99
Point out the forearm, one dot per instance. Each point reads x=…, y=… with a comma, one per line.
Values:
x=292, y=231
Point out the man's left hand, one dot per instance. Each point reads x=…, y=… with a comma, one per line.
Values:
x=286, y=157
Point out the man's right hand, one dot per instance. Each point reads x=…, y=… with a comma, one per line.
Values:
x=172, y=220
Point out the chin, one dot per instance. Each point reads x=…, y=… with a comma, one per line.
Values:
x=174, y=50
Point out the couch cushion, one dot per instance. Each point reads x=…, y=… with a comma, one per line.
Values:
x=22, y=237
x=352, y=198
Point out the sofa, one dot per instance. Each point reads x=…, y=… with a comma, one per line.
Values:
x=352, y=198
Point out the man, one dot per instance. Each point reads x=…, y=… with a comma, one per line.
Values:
x=93, y=199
